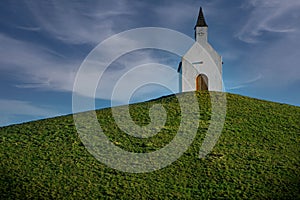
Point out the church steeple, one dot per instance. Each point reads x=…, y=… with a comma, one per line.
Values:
x=201, y=28
x=201, y=20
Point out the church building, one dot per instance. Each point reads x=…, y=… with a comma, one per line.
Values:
x=201, y=67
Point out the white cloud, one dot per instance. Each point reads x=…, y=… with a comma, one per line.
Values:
x=36, y=66
x=270, y=16
x=11, y=110
x=28, y=28
x=16, y=107
x=119, y=69
x=78, y=22
x=244, y=84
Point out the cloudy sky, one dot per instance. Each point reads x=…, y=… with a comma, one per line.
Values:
x=43, y=44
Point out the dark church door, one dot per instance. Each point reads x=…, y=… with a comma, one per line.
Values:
x=202, y=82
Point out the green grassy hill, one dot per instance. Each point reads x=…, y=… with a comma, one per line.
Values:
x=256, y=157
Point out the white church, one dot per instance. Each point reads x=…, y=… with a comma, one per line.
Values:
x=201, y=67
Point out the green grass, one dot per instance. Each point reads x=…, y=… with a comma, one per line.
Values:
x=256, y=157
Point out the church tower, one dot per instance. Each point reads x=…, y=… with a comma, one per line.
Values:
x=201, y=67
x=201, y=28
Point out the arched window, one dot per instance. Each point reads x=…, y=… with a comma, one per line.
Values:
x=201, y=82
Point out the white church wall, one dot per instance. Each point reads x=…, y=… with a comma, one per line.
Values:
x=201, y=61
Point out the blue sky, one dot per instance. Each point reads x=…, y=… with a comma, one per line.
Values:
x=43, y=44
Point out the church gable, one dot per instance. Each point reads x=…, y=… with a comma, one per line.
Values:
x=203, y=51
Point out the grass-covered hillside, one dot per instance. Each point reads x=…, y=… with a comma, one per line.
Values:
x=257, y=156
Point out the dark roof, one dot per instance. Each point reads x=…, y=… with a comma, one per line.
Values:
x=201, y=20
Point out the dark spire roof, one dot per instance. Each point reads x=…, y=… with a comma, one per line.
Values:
x=201, y=20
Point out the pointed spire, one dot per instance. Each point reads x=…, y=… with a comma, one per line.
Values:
x=201, y=20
